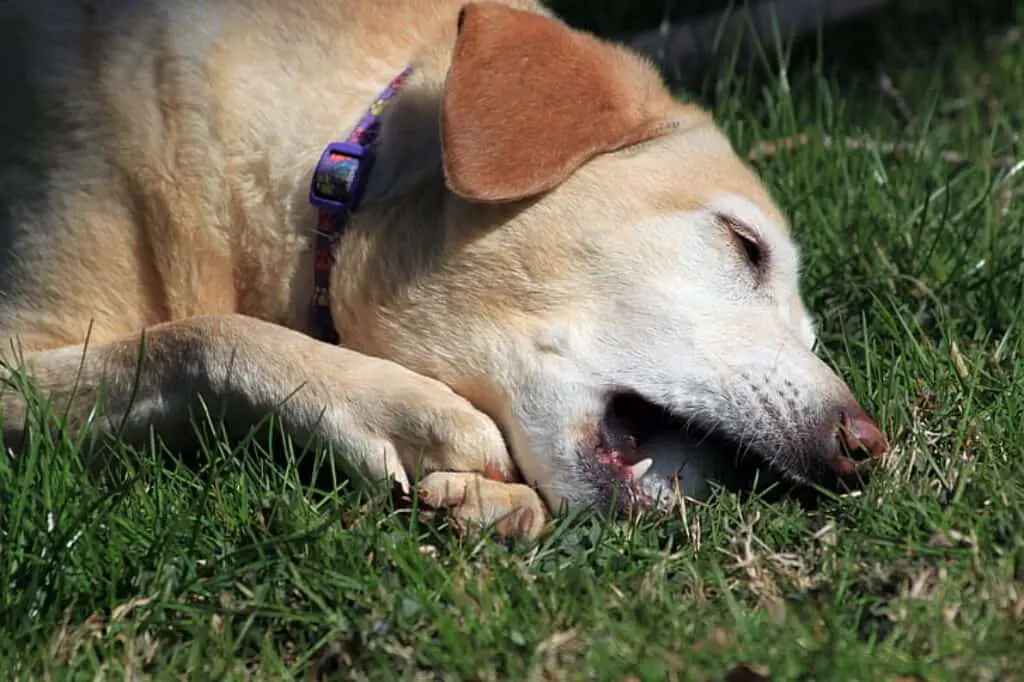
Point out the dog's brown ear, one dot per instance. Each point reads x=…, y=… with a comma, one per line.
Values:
x=529, y=100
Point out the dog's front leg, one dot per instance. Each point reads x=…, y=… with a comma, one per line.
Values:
x=377, y=415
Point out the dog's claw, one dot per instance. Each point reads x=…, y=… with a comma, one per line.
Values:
x=478, y=502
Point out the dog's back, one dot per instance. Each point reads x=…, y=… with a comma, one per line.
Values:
x=172, y=139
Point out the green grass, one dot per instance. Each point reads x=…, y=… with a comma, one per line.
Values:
x=235, y=568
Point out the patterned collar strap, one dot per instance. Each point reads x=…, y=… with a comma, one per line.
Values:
x=337, y=188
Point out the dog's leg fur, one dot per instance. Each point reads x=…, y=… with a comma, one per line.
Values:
x=385, y=419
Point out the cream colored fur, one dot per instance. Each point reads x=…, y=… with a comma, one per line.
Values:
x=477, y=338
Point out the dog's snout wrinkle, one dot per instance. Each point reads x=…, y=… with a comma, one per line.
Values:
x=803, y=437
x=769, y=406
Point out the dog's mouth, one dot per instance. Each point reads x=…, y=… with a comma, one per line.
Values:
x=652, y=456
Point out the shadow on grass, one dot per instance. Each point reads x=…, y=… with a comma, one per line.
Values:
x=911, y=31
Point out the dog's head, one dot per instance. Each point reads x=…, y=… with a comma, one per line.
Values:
x=585, y=258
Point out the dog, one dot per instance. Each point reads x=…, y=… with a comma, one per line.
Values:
x=468, y=247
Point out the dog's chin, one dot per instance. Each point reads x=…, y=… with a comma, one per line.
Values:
x=648, y=457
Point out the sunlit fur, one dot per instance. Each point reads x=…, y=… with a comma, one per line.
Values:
x=174, y=200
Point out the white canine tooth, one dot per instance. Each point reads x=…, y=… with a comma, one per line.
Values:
x=641, y=468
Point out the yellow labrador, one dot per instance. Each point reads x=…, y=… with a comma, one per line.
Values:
x=526, y=269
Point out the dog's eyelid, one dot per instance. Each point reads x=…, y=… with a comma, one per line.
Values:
x=753, y=248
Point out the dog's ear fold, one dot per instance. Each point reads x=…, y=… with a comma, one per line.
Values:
x=529, y=100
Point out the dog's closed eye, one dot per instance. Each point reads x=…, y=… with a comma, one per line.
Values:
x=747, y=243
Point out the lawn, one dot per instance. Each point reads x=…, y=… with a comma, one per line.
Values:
x=906, y=197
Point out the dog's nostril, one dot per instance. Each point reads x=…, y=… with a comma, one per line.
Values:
x=859, y=435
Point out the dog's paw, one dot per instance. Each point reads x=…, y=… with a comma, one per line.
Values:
x=478, y=503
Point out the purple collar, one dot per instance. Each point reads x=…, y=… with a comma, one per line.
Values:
x=338, y=184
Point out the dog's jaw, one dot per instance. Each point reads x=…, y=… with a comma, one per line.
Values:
x=733, y=363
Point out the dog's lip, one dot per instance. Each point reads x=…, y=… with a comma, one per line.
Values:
x=648, y=447
x=686, y=457
x=630, y=468
x=849, y=468
x=844, y=466
x=688, y=437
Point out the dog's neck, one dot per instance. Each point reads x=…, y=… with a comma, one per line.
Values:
x=397, y=231
x=408, y=220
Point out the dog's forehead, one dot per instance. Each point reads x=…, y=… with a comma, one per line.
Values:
x=700, y=170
